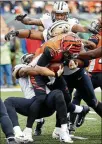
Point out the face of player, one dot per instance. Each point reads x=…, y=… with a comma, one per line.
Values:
x=30, y=59
x=60, y=16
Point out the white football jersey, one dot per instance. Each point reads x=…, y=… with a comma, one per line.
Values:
x=47, y=22
x=26, y=85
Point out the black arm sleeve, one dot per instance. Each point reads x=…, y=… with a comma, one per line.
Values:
x=46, y=57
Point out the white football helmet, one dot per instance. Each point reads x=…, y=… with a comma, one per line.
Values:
x=16, y=69
x=57, y=28
x=26, y=58
x=96, y=25
x=60, y=7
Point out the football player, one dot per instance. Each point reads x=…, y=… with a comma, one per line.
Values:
x=60, y=11
x=80, y=110
x=55, y=33
x=95, y=67
x=6, y=124
x=97, y=53
x=54, y=101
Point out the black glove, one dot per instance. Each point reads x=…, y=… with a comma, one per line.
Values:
x=20, y=17
x=67, y=57
x=92, y=30
x=11, y=35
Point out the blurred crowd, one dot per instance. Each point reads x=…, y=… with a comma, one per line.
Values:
x=12, y=51
x=38, y=7
x=10, y=54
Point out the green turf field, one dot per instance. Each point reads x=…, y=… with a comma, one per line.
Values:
x=91, y=129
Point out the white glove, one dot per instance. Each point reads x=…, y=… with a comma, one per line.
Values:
x=60, y=71
x=52, y=80
x=73, y=64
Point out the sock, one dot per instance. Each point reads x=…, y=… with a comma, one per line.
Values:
x=39, y=120
x=28, y=130
x=17, y=130
x=64, y=127
x=78, y=109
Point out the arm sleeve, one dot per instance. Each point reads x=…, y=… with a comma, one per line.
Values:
x=46, y=57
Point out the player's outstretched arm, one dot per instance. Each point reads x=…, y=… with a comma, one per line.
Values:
x=31, y=71
x=92, y=54
x=83, y=29
x=28, y=21
x=89, y=44
x=32, y=34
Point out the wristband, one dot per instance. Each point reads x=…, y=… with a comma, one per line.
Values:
x=29, y=34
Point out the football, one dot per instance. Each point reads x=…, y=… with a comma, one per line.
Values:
x=55, y=66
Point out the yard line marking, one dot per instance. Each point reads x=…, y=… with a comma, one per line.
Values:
x=10, y=89
x=77, y=137
x=87, y=118
x=92, y=112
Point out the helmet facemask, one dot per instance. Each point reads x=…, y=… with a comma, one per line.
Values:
x=70, y=46
x=60, y=8
x=27, y=58
x=96, y=25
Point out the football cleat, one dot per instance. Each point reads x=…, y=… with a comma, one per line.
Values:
x=21, y=138
x=11, y=140
x=71, y=128
x=28, y=134
x=38, y=130
x=72, y=122
x=56, y=133
x=65, y=137
x=81, y=116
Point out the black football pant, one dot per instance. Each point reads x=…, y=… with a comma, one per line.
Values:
x=5, y=121
x=82, y=82
x=53, y=102
x=96, y=79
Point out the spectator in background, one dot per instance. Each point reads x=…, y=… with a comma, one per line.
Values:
x=5, y=65
x=26, y=6
x=98, y=7
x=33, y=45
x=73, y=7
x=7, y=8
x=38, y=6
x=48, y=7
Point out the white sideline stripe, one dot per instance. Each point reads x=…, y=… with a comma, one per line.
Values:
x=87, y=118
x=19, y=89
x=77, y=137
x=92, y=112
x=10, y=89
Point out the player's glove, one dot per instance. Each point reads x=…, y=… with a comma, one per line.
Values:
x=11, y=35
x=59, y=72
x=72, y=64
x=68, y=57
x=20, y=17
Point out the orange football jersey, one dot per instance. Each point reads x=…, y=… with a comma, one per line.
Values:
x=96, y=64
